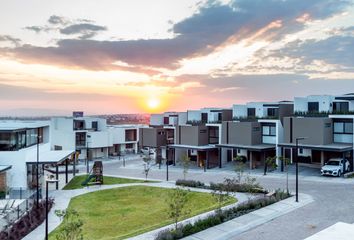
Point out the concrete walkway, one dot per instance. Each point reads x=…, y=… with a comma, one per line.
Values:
x=246, y=222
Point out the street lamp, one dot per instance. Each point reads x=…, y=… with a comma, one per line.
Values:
x=297, y=166
x=37, y=167
x=50, y=179
x=87, y=154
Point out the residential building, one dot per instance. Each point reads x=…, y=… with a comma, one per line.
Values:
x=124, y=139
x=23, y=144
x=208, y=115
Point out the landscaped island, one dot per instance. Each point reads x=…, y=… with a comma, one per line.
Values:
x=124, y=212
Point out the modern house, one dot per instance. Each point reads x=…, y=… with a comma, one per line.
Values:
x=123, y=139
x=327, y=124
x=23, y=145
x=83, y=134
x=255, y=132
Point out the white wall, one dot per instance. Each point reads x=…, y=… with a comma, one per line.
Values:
x=194, y=115
x=182, y=118
x=324, y=103
x=156, y=119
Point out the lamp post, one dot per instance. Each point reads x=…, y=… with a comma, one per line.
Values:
x=167, y=162
x=297, y=166
x=87, y=154
x=51, y=179
x=37, y=168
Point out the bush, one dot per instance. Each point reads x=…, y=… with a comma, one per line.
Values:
x=221, y=216
x=190, y=183
x=232, y=185
x=27, y=223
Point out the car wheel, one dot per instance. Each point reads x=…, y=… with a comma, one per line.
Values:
x=339, y=173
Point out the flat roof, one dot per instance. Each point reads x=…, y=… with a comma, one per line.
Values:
x=4, y=168
x=11, y=125
x=255, y=147
x=336, y=147
x=338, y=231
x=204, y=147
x=50, y=157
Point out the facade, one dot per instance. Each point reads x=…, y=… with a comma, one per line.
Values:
x=22, y=144
x=124, y=139
x=208, y=115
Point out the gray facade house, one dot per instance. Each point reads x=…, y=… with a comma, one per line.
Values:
x=325, y=138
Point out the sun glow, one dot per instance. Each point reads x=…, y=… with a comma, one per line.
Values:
x=153, y=103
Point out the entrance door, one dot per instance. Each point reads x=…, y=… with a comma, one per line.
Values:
x=229, y=155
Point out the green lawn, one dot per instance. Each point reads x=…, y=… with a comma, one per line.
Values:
x=125, y=212
x=75, y=183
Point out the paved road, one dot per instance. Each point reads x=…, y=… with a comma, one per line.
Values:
x=334, y=198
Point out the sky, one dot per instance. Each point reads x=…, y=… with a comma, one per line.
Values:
x=138, y=56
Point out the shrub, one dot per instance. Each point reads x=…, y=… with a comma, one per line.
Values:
x=190, y=183
x=221, y=216
x=233, y=185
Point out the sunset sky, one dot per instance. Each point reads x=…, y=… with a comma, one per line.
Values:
x=132, y=56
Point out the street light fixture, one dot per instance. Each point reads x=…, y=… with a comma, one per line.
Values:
x=50, y=179
x=37, y=168
x=297, y=166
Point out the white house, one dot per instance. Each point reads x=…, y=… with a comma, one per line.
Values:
x=21, y=142
x=81, y=134
x=324, y=103
x=124, y=139
x=168, y=119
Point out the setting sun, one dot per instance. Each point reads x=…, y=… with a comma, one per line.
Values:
x=153, y=103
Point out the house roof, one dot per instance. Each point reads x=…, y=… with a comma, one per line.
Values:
x=202, y=148
x=4, y=168
x=255, y=147
x=50, y=157
x=335, y=147
x=9, y=125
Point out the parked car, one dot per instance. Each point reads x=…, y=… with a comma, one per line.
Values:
x=335, y=167
x=147, y=151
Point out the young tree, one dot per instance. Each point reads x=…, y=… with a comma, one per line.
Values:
x=177, y=199
x=221, y=196
x=239, y=167
x=71, y=228
x=286, y=162
x=185, y=163
x=252, y=186
x=147, y=166
x=270, y=162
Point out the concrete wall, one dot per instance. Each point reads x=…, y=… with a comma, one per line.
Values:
x=194, y=115
x=192, y=135
x=245, y=133
x=156, y=119
x=285, y=110
x=152, y=137
x=317, y=130
x=324, y=103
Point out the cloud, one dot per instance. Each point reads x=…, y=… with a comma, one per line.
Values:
x=58, y=20
x=86, y=30
x=213, y=25
x=8, y=38
x=38, y=29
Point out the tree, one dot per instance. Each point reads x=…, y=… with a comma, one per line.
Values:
x=147, y=166
x=71, y=227
x=239, y=167
x=270, y=162
x=185, y=163
x=178, y=199
x=252, y=185
x=286, y=162
x=221, y=196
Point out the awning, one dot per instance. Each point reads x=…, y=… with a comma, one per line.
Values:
x=193, y=147
x=335, y=147
x=50, y=157
x=255, y=147
x=4, y=168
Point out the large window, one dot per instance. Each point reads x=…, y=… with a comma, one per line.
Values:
x=31, y=137
x=79, y=125
x=343, y=127
x=213, y=135
x=251, y=112
x=80, y=139
x=268, y=130
x=313, y=106
x=130, y=135
x=340, y=107
x=272, y=112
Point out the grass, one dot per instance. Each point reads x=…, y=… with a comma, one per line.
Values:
x=125, y=212
x=75, y=183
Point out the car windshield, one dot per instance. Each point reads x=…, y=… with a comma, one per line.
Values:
x=333, y=163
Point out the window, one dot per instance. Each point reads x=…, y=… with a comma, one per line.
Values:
x=80, y=139
x=166, y=121
x=343, y=127
x=313, y=106
x=272, y=112
x=102, y=149
x=301, y=150
x=31, y=137
x=268, y=130
x=130, y=135
x=251, y=112
x=204, y=117
x=213, y=135
x=94, y=125
x=129, y=146
x=79, y=125
x=340, y=107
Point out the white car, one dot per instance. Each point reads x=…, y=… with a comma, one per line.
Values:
x=335, y=167
x=147, y=151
